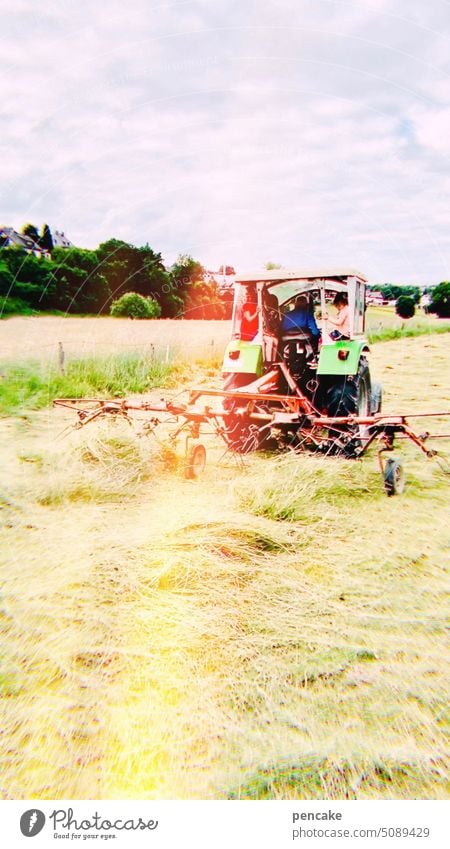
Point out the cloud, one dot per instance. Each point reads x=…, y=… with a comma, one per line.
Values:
x=302, y=132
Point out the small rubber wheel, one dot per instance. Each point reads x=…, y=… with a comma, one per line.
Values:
x=394, y=477
x=195, y=461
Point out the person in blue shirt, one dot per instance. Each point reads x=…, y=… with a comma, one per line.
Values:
x=300, y=318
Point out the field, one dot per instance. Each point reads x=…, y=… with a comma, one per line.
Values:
x=275, y=631
x=37, y=337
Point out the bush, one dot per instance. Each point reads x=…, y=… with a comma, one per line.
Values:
x=14, y=306
x=404, y=306
x=440, y=300
x=133, y=305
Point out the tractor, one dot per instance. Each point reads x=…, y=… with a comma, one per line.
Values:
x=274, y=349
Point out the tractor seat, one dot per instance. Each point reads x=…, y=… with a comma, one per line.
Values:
x=297, y=335
x=297, y=346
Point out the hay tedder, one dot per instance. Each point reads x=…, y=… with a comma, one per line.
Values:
x=289, y=383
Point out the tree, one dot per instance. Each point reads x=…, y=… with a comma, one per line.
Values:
x=387, y=292
x=31, y=231
x=404, y=306
x=133, y=305
x=391, y=292
x=131, y=269
x=201, y=296
x=227, y=299
x=80, y=285
x=272, y=266
x=45, y=239
x=440, y=300
x=6, y=279
x=32, y=277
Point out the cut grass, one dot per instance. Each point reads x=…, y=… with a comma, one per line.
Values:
x=276, y=632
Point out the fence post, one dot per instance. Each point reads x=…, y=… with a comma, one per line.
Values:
x=61, y=357
x=167, y=353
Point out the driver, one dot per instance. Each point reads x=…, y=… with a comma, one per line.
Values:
x=300, y=318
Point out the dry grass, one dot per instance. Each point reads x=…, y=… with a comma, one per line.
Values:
x=275, y=632
x=37, y=337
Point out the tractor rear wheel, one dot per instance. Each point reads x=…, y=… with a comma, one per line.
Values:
x=349, y=396
x=241, y=435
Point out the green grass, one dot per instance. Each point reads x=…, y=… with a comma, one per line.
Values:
x=338, y=778
x=387, y=334
x=34, y=385
x=383, y=325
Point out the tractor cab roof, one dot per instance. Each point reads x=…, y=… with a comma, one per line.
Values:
x=286, y=284
x=306, y=275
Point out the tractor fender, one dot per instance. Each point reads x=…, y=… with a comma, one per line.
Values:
x=341, y=357
x=243, y=357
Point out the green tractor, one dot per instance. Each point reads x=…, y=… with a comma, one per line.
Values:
x=279, y=347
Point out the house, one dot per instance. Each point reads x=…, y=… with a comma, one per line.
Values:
x=60, y=240
x=224, y=282
x=376, y=298
x=10, y=238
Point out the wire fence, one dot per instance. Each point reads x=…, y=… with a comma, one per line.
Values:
x=51, y=343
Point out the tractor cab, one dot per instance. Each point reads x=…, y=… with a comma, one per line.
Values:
x=289, y=318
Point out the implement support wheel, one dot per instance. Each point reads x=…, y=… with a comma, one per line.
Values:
x=195, y=461
x=393, y=477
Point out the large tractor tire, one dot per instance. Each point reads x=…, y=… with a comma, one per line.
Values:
x=241, y=435
x=348, y=396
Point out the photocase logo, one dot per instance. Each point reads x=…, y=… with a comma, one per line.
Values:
x=32, y=822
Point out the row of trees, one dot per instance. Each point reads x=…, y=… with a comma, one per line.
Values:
x=408, y=297
x=89, y=281
x=392, y=292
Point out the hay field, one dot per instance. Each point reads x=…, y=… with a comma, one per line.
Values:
x=275, y=631
x=37, y=337
x=381, y=317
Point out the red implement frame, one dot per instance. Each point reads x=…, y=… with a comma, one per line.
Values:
x=264, y=409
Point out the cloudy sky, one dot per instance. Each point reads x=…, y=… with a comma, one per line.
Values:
x=296, y=131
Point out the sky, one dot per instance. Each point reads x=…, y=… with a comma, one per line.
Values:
x=303, y=132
